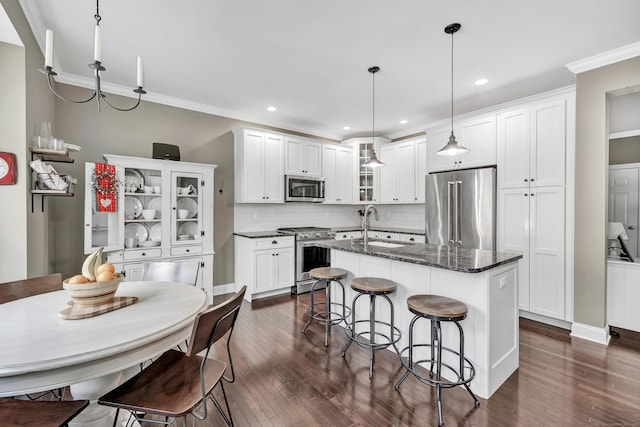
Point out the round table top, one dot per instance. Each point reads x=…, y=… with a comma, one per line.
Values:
x=34, y=337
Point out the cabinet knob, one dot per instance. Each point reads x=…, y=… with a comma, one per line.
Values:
x=144, y=254
x=275, y=242
x=526, y=180
x=188, y=250
x=532, y=179
x=533, y=194
x=412, y=239
x=525, y=194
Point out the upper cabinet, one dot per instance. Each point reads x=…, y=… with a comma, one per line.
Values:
x=478, y=135
x=303, y=157
x=397, y=177
x=531, y=146
x=259, y=166
x=421, y=168
x=366, y=179
x=337, y=170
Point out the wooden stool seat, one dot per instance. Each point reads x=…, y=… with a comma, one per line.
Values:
x=52, y=413
x=436, y=306
x=328, y=273
x=373, y=285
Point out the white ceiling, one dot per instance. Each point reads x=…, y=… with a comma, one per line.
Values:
x=309, y=59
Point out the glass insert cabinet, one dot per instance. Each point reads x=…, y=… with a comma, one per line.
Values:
x=163, y=212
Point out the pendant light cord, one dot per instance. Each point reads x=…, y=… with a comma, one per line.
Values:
x=97, y=15
x=452, y=83
x=373, y=108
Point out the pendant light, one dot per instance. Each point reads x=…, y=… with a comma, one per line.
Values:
x=373, y=162
x=452, y=148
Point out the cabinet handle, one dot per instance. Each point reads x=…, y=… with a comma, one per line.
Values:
x=532, y=179
x=275, y=242
x=631, y=227
x=526, y=180
x=174, y=208
x=123, y=273
x=144, y=254
x=525, y=194
x=188, y=250
x=533, y=194
x=412, y=239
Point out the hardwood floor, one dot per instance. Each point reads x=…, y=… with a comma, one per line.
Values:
x=285, y=378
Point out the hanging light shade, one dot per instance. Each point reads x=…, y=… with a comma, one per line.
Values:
x=453, y=147
x=373, y=161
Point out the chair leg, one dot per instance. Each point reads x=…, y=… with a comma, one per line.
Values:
x=229, y=419
x=327, y=307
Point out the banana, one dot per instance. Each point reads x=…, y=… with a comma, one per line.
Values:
x=97, y=262
x=87, y=265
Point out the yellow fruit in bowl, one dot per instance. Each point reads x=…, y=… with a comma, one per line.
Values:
x=105, y=267
x=77, y=279
x=104, y=276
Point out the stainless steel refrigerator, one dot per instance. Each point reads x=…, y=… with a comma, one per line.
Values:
x=460, y=208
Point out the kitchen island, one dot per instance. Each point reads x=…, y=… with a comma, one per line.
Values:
x=486, y=281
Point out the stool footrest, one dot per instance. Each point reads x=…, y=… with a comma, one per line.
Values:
x=353, y=336
x=430, y=380
x=335, y=317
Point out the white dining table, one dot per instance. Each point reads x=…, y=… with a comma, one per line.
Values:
x=41, y=351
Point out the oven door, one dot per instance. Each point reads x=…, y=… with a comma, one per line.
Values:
x=310, y=256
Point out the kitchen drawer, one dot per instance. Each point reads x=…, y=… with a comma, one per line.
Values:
x=273, y=243
x=344, y=235
x=384, y=235
x=413, y=238
x=186, y=250
x=143, y=253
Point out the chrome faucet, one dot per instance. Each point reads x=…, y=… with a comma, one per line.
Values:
x=365, y=221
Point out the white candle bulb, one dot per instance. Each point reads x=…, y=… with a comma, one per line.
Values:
x=97, y=45
x=48, y=51
x=140, y=77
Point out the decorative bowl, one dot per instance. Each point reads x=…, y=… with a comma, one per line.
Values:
x=149, y=213
x=93, y=293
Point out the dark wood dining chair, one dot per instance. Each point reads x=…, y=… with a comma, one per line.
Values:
x=178, y=384
x=39, y=413
x=11, y=291
x=163, y=271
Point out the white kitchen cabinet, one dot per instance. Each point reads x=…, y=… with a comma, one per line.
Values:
x=532, y=145
x=531, y=222
x=397, y=177
x=478, y=135
x=302, y=157
x=259, y=166
x=366, y=179
x=421, y=170
x=265, y=265
x=337, y=170
x=167, y=187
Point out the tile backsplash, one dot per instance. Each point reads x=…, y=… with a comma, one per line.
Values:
x=257, y=217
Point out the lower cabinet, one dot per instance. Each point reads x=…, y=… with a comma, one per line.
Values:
x=132, y=271
x=265, y=265
x=344, y=235
x=531, y=221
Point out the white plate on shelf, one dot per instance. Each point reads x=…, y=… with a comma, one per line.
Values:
x=190, y=205
x=136, y=230
x=133, y=177
x=156, y=232
x=156, y=203
x=190, y=228
x=132, y=205
x=151, y=243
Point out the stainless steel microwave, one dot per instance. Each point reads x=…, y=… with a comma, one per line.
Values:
x=303, y=189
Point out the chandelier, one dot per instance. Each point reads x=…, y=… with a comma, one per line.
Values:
x=96, y=66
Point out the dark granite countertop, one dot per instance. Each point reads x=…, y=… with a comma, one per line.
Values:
x=261, y=234
x=456, y=259
x=385, y=229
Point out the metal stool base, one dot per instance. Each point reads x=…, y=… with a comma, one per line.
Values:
x=328, y=317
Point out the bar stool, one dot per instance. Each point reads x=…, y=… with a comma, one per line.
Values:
x=326, y=275
x=374, y=287
x=437, y=309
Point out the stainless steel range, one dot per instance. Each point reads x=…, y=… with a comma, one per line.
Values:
x=308, y=254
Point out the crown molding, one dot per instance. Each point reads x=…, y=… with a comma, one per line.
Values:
x=605, y=58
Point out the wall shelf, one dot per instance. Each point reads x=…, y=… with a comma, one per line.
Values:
x=47, y=155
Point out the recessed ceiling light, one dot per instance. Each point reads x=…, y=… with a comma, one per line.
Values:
x=404, y=122
x=481, y=82
x=271, y=108
x=347, y=128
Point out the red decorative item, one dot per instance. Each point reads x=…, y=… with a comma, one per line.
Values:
x=106, y=187
x=8, y=168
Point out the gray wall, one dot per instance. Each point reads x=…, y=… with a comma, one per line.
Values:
x=592, y=159
x=202, y=138
x=28, y=99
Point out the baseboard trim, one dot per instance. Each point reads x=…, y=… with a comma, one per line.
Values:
x=590, y=333
x=544, y=319
x=228, y=288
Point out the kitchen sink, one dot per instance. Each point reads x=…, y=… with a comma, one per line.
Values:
x=386, y=244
